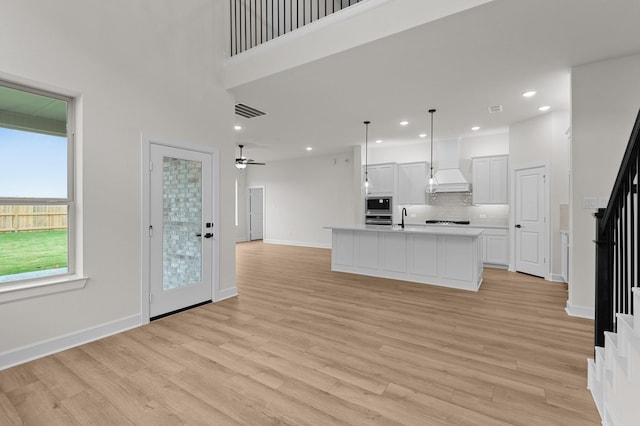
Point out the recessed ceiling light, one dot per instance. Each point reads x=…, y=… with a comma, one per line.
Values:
x=404, y=123
x=475, y=128
x=423, y=135
x=309, y=148
x=237, y=127
x=544, y=108
x=379, y=141
x=529, y=93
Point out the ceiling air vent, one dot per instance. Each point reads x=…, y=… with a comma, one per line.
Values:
x=495, y=108
x=248, y=112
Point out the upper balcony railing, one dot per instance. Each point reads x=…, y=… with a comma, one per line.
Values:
x=253, y=22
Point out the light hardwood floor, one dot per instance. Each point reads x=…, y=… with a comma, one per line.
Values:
x=302, y=345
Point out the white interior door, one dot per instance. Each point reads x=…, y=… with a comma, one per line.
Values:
x=256, y=214
x=530, y=221
x=181, y=228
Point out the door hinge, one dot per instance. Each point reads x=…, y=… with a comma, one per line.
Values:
x=150, y=230
x=150, y=166
x=150, y=298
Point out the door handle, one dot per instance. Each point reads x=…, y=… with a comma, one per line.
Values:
x=518, y=226
x=208, y=235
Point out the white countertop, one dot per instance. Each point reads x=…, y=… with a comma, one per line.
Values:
x=472, y=225
x=463, y=230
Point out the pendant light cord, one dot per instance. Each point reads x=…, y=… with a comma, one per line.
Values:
x=366, y=150
x=431, y=111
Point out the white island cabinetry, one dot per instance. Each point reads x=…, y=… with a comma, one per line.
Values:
x=450, y=257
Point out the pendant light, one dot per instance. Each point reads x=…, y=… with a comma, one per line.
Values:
x=432, y=183
x=366, y=184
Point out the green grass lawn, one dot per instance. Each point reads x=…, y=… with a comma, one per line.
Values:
x=32, y=251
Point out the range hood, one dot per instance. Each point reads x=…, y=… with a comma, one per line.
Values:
x=449, y=176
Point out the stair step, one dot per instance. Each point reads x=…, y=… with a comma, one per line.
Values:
x=594, y=384
x=600, y=363
x=631, y=339
x=614, y=372
x=611, y=351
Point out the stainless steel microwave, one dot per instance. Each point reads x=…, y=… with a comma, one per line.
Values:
x=378, y=205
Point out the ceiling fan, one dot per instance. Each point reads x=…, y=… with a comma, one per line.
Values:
x=242, y=162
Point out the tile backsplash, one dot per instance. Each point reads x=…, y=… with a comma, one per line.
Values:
x=457, y=206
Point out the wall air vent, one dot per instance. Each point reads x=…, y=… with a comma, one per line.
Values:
x=495, y=108
x=248, y=112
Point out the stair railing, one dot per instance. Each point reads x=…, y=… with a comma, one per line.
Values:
x=617, y=243
x=253, y=22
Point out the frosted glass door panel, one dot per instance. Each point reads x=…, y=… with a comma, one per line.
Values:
x=182, y=219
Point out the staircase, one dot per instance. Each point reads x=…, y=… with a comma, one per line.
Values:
x=614, y=375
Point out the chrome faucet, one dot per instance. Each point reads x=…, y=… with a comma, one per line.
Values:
x=404, y=213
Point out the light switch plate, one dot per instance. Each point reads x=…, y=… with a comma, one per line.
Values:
x=590, y=203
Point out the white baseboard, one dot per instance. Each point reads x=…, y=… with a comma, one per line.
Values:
x=67, y=341
x=299, y=244
x=227, y=293
x=580, y=311
x=557, y=278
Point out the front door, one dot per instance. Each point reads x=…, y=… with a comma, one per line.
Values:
x=531, y=223
x=181, y=228
x=255, y=213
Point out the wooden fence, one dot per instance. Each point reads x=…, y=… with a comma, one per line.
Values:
x=32, y=218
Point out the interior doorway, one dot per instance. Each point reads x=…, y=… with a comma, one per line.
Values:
x=531, y=233
x=255, y=207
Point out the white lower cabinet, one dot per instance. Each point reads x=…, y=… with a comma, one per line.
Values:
x=495, y=247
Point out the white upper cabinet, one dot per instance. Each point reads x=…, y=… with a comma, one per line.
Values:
x=411, y=179
x=490, y=176
x=382, y=178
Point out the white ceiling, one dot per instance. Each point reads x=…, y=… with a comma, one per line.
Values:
x=460, y=65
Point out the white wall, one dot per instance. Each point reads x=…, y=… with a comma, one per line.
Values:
x=145, y=67
x=606, y=98
x=304, y=195
x=536, y=141
x=242, y=231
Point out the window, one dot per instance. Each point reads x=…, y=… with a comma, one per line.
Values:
x=37, y=203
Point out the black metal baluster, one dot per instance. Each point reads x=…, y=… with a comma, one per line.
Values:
x=625, y=307
x=231, y=28
x=618, y=266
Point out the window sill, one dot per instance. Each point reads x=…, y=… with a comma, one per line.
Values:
x=42, y=287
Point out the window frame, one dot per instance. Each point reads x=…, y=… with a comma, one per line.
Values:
x=73, y=278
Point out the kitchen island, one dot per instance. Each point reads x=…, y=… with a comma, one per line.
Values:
x=449, y=256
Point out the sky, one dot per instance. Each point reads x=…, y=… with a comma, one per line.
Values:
x=32, y=164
